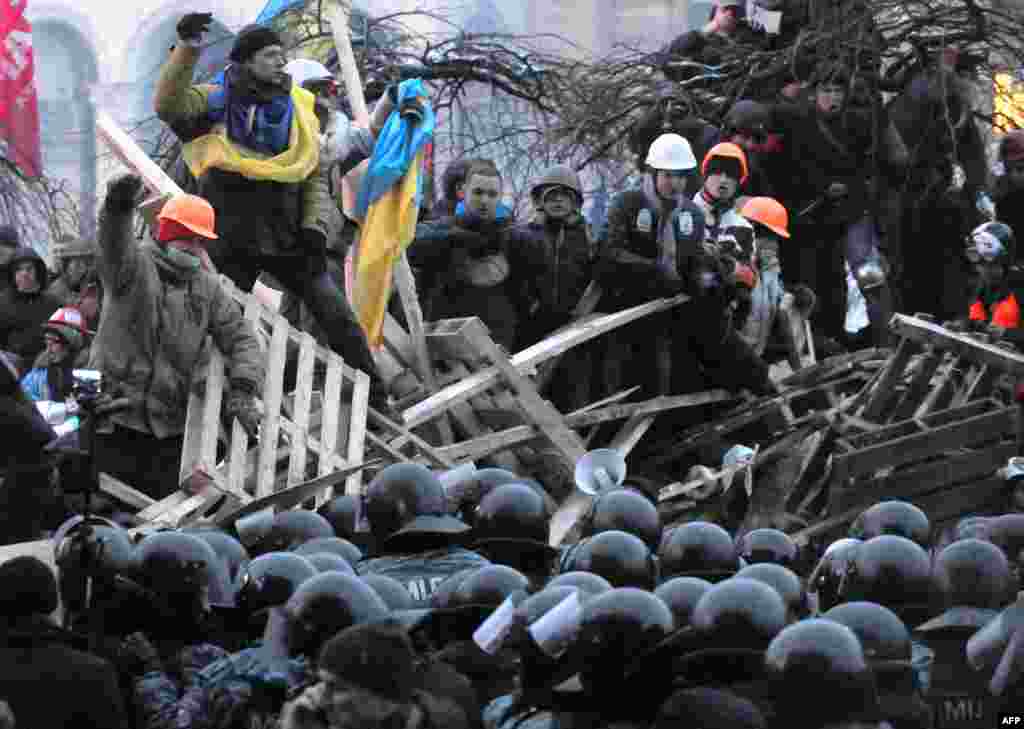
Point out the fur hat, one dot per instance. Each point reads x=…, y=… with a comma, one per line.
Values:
x=253, y=39
x=378, y=657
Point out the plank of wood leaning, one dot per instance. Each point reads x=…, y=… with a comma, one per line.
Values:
x=330, y=426
x=356, y=446
x=300, y=418
x=124, y=493
x=894, y=372
x=273, y=391
x=919, y=385
x=533, y=356
x=239, y=444
x=943, y=388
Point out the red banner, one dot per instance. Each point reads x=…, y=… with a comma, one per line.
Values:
x=19, y=107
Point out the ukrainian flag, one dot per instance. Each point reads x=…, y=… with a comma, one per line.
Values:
x=388, y=206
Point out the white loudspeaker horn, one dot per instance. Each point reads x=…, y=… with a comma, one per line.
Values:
x=600, y=470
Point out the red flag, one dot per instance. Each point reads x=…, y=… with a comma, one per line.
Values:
x=19, y=106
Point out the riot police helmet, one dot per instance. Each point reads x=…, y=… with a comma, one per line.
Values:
x=294, y=527
x=326, y=604
x=785, y=582
x=972, y=573
x=900, y=518
x=327, y=562
x=699, y=549
x=682, y=594
x=271, y=579
x=768, y=545
x=625, y=510
x=622, y=559
x=334, y=545
x=587, y=582
x=407, y=500
x=739, y=613
x=342, y=512
x=390, y=590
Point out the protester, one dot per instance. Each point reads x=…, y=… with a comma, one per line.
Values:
x=160, y=307
x=24, y=306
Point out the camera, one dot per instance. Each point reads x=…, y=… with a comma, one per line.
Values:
x=88, y=385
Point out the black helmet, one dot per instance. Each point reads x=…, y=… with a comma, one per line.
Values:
x=739, y=613
x=537, y=605
x=294, y=527
x=176, y=563
x=768, y=545
x=821, y=675
x=893, y=517
x=512, y=513
x=586, y=582
x=271, y=579
x=334, y=545
x=622, y=559
x=699, y=549
x=489, y=586
x=785, y=582
x=828, y=574
x=342, y=513
x=327, y=562
x=625, y=510
x=486, y=480
x=747, y=115
x=327, y=604
x=972, y=573
x=682, y=594
x=882, y=635
x=229, y=549
x=97, y=543
x=391, y=591
x=617, y=627
x=890, y=570
x=1007, y=533
x=407, y=499
x=445, y=592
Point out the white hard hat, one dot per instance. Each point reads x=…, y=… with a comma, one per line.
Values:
x=302, y=70
x=671, y=152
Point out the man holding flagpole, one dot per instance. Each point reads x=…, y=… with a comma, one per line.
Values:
x=253, y=145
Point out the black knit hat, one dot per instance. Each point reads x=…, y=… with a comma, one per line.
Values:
x=30, y=588
x=376, y=656
x=253, y=39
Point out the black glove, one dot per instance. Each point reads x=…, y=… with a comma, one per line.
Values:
x=241, y=404
x=136, y=656
x=124, y=193
x=314, y=241
x=192, y=26
x=412, y=110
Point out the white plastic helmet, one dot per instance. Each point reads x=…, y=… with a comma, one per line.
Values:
x=671, y=152
x=303, y=69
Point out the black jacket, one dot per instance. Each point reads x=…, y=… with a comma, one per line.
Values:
x=449, y=252
x=49, y=684
x=22, y=315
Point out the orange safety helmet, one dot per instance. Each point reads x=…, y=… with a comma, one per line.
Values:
x=729, y=150
x=769, y=212
x=192, y=212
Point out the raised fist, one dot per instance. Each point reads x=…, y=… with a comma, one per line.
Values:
x=192, y=26
x=124, y=192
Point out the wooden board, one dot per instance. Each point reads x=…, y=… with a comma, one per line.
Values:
x=894, y=371
x=529, y=358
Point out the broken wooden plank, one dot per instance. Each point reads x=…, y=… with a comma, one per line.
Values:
x=631, y=433
x=908, y=484
x=300, y=418
x=942, y=391
x=124, y=493
x=166, y=504
x=532, y=356
x=919, y=386
x=131, y=154
x=963, y=345
x=934, y=441
x=894, y=372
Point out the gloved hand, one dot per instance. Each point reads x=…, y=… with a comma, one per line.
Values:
x=136, y=656
x=193, y=26
x=241, y=404
x=413, y=110
x=804, y=299
x=124, y=192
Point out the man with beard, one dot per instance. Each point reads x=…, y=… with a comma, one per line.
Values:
x=477, y=264
x=253, y=146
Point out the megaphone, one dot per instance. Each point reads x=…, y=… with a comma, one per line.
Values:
x=600, y=470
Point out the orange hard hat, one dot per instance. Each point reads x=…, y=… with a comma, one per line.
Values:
x=729, y=150
x=769, y=212
x=191, y=211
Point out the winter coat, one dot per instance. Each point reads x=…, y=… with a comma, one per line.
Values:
x=628, y=261
x=1010, y=210
x=254, y=216
x=23, y=431
x=156, y=319
x=49, y=684
x=570, y=256
x=823, y=151
x=722, y=226
x=22, y=315
x=474, y=268
x=422, y=573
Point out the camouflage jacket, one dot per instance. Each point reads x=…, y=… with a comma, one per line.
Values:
x=238, y=690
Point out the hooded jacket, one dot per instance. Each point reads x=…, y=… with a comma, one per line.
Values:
x=22, y=315
x=156, y=319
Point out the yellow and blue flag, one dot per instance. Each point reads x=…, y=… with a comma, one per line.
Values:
x=388, y=205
